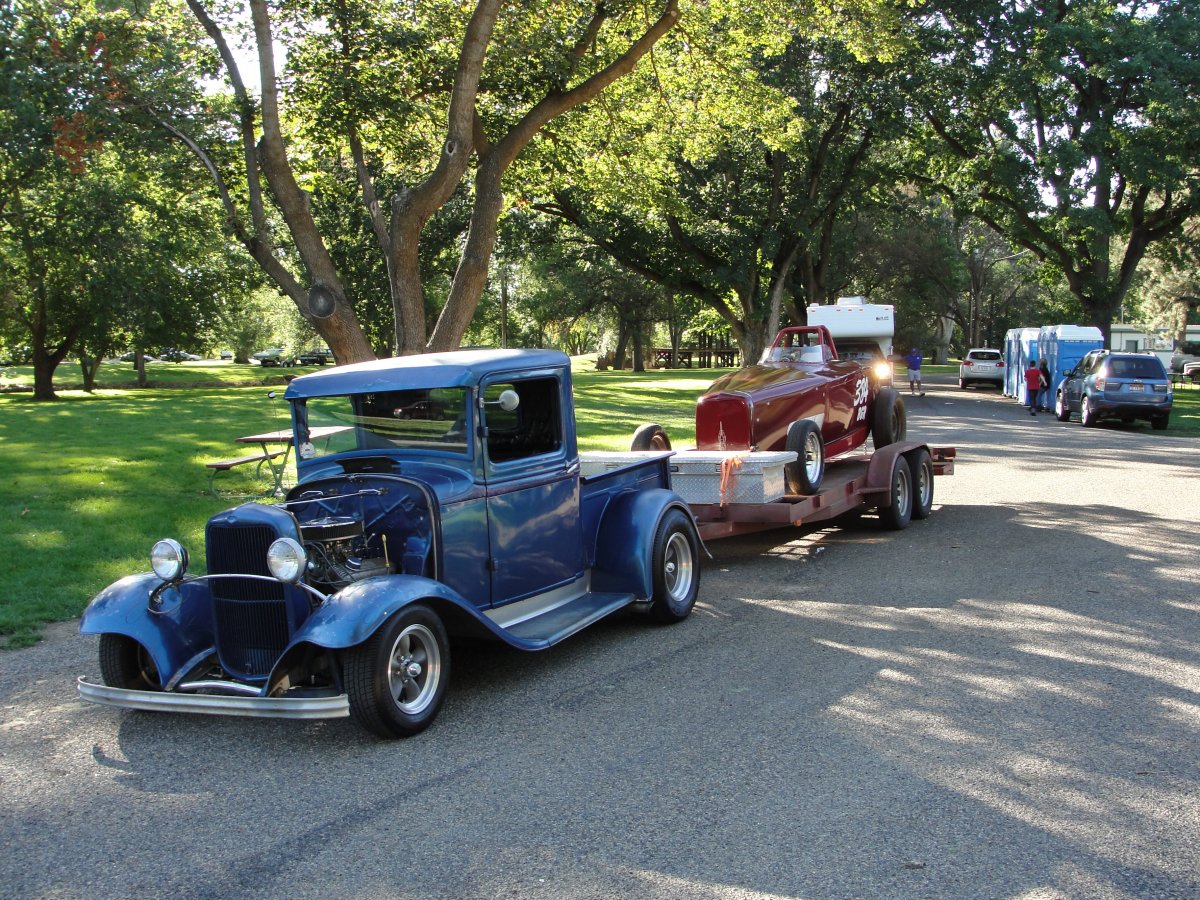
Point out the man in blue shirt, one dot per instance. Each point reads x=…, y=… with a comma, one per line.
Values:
x=913, y=361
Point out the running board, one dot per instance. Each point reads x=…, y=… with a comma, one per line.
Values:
x=560, y=621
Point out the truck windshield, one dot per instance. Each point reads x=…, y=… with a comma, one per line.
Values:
x=426, y=419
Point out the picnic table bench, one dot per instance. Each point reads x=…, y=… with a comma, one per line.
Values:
x=224, y=465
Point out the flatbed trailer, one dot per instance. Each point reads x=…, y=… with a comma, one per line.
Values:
x=863, y=481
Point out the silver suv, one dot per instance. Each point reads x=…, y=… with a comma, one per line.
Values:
x=983, y=365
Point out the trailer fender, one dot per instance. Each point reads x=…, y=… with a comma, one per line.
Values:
x=174, y=624
x=625, y=540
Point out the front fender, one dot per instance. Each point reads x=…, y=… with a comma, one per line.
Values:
x=625, y=541
x=352, y=615
x=173, y=632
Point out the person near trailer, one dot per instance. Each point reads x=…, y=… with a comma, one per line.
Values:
x=913, y=361
x=1033, y=386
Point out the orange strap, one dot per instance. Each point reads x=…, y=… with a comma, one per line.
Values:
x=729, y=467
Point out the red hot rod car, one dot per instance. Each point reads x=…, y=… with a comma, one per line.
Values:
x=799, y=397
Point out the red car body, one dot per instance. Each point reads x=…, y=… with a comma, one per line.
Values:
x=800, y=378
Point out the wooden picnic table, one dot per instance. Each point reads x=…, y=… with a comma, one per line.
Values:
x=277, y=460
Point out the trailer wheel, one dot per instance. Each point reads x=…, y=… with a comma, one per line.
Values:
x=888, y=421
x=805, y=474
x=396, y=679
x=650, y=437
x=922, y=474
x=676, y=563
x=124, y=663
x=897, y=514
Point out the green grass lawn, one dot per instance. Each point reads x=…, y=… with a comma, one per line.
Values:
x=90, y=482
x=206, y=373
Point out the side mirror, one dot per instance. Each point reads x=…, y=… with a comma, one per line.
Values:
x=509, y=400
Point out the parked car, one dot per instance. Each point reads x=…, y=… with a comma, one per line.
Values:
x=273, y=356
x=226, y=354
x=170, y=354
x=421, y=409
x=400, y=535
x=1191, y=371
x=981, y=365
x=802, y=397
x=318, y=356
x=1126, y=386
x=131, y=356
x=1186, y=352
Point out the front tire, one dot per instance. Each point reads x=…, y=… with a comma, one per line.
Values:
x=676, y=562
x=650, y=436
x=124, y=663
x=396, y=679
x=922, y=473
x=1062, y=412
x=897, y=514
x=804, y=475
x=888, y=421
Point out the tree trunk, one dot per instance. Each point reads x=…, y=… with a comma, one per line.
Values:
x=90, y=365
x=639, y=350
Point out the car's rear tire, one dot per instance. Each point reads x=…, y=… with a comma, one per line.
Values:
x=396, y=679
x=898, y=513
x=888, y=421
x=650, y=437
x=921, y=467
x=676, y=568
x=804, y=475
x=1160, y=423
x=1087, y=418
x=1062, y=412
x=124, y=663
x=962, y=384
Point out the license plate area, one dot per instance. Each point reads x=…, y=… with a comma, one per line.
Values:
x=1137, y=386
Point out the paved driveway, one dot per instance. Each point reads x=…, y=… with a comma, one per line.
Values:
x=1001, y=701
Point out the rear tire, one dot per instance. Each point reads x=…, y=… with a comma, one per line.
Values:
x=1062, y=412
x=124, y=663
x=897, y=514
x=1160, y=423
x=396, y=679
x=888, y=421
x=650, y=437
x=1087, y=418
x=804, y=475
x=962, y=384
x=922, y=474
x=676, y=568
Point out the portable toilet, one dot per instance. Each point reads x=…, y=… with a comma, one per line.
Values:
x=1062, y=346
x=1020, y=345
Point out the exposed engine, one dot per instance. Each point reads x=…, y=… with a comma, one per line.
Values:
x=340, y=552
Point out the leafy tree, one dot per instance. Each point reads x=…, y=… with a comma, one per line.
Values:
x=1072, y=128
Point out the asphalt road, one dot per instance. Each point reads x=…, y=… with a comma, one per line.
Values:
x=1000, y=701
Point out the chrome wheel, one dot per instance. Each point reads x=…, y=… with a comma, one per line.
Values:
x=679, y=571
x=414, y=669
x=814, y=457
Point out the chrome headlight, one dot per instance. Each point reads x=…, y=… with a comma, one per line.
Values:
x=287, y=560
x=169, y=560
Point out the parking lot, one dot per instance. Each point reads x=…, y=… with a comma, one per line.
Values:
x=1000, y=701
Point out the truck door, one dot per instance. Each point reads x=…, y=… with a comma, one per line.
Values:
x=532, y=476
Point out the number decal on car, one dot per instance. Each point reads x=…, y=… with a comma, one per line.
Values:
x=860, y=399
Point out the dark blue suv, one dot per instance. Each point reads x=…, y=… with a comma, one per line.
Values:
x=1124, y=386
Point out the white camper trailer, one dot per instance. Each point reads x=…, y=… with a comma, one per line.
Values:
x=862, y=331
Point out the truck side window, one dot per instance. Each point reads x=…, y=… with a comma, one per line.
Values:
x=533, y=428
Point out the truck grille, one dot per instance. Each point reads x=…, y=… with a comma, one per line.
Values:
x=253, y=620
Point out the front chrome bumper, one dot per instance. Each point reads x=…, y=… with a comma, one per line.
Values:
x=328, y=707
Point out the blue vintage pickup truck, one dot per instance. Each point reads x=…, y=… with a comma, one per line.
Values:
x=438, y=496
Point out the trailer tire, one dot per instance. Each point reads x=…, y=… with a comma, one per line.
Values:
x=898, y=513
x=805, y=474
x=650, y=436
x=922, y=474
x=676, y=568
x=889, y=423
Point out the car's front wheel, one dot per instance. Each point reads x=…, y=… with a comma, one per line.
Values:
x=888, y=421
x=676, y=561
x=650, y=436
x=805, y=474
x=1062, y=412
x=396, y=679
x=1087, y=416
x=124, y=663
